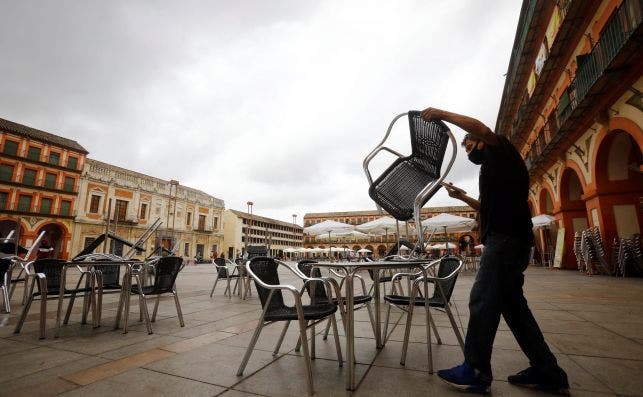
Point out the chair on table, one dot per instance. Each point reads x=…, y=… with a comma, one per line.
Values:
x=263, y=271
x=5, y=264
x=166, y=270
x=13, y=251
x=444, y=283
x=223, y=271
x=317, y=292
x=391, y=255
x=47, y=274
x=410, y=181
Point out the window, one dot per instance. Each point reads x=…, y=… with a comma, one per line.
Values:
x=94, y=204
x=215, y=223
x=50, y=180
x=24, y=203
x=65, y=208
x=54, y=158
x=69, y=184
x=188, y=219
x=10, y=148
x=143, y=212
x=201, y=222
x=29, y=177
x=45, y=206
x=88, y=241
x=4, y=197
x=33, y=153
x=186, y=250
x=72, y=162
x=120, y=210
x=6, y=172
x=116, y=247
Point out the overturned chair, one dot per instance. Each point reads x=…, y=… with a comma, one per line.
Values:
x=263, y=271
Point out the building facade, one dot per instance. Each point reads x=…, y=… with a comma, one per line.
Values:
x=39, y=183
x=572, y=105
x=380, y=245
x=191, y=219
x=241, y=227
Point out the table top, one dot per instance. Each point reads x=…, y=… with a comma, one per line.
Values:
x=377, y=264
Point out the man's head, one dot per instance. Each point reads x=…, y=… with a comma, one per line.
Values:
x=474, y=147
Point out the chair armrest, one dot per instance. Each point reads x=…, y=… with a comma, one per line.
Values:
x=271, y=286
x=449, y=276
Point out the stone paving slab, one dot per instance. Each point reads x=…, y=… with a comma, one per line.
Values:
x=593, y=325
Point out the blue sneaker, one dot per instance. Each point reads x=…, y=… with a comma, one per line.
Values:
x=532, y=378
x=465, y=378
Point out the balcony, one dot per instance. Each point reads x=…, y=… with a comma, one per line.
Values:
x=613, y=56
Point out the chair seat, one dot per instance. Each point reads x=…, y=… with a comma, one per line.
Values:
x=67, y=291
x=357, y=300
x=147, y=290
x=112, y=286
x=400, y=300
x=229, y=275
x=311, y=312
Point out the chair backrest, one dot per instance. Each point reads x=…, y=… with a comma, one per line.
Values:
x=4, y=266
x=166, y=271
x=397, y=188
x=221, y=267
x=111, y=275
x=394, y=250
x=447, y=265
x=266, y=270
x=52, y=269
x=307, y=266
x=257, y=251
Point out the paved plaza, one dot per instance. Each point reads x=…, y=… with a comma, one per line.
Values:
x=594, y=325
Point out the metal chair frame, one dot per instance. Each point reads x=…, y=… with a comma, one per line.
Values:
x=224, y=272
x=275, y=291
x=414, y=300
x=428, y=190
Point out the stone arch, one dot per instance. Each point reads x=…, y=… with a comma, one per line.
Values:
x=57, y=238
x=381, y=250
x=572, y=212
x=545, y=200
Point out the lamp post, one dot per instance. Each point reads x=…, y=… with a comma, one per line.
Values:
x=294, y=231
x=249, y=227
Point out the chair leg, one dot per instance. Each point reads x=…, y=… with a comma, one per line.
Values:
x=281, y=338
x=388, y=316
x=216, y=280
x=435, y=331
x=178, y=308
x=327, y=330
x=338, y=347
x=304, y=343
x=25, y=309
x=126, y=314
x=371, y=317
x=227, y=288
x=407, y=332
x=454, y=325
x=142, y=300
x=5, y=297
x=43, y=308
x=69, y=307
x=251, y=347
x=156, y=307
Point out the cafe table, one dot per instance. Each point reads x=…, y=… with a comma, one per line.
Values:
x=351, y=269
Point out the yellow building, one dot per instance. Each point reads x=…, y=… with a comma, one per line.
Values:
x=239, y=227
x=572, y=105
x=39, y=181
x=379, y=245
x=191, y=218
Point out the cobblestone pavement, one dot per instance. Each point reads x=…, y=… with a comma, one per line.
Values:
x=594, y=325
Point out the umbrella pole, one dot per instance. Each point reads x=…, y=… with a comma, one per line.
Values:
x=397, y=226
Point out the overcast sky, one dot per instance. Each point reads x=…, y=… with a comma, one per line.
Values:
x=277, y=102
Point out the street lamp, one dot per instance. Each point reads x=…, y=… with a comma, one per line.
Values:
x=249, y=227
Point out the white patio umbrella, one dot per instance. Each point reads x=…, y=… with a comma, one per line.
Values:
x=443, y=246
x=329, y=227
x=290, y=250
x=352, y=234
x=379, y=227
x=542, y=220
x=364, y=251
x=447, y=223
x=479, y=247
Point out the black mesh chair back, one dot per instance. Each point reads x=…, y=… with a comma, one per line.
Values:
x=396, y=189
x=52, y=269
x=221, y=270
x=166, y=270
x=255, y=251
x=9, y=248
x=402, y=243
x=4, y=267
x=266, y=269
x=318, y=293
x=447, y=266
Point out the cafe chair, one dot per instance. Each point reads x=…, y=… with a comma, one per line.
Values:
x=47, y=275
x=410, y=181
x=317, y=292
x=263, y=271
x=444, y=284
x=225, y=272
x=166, y=270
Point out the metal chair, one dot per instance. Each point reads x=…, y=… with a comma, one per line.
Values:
x=263, y=271
x=166, y=270
x=444, y=284
x=223, y=271
x=317, y=292
x=48, y=276
x=410, y=181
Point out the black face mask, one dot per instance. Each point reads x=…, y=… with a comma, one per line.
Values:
x=476, y=156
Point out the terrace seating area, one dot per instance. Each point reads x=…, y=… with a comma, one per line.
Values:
x=592, y=324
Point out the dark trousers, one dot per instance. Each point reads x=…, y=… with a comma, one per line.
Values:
x=498, y=290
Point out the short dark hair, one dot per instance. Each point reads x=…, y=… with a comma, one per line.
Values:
x=469, y=137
